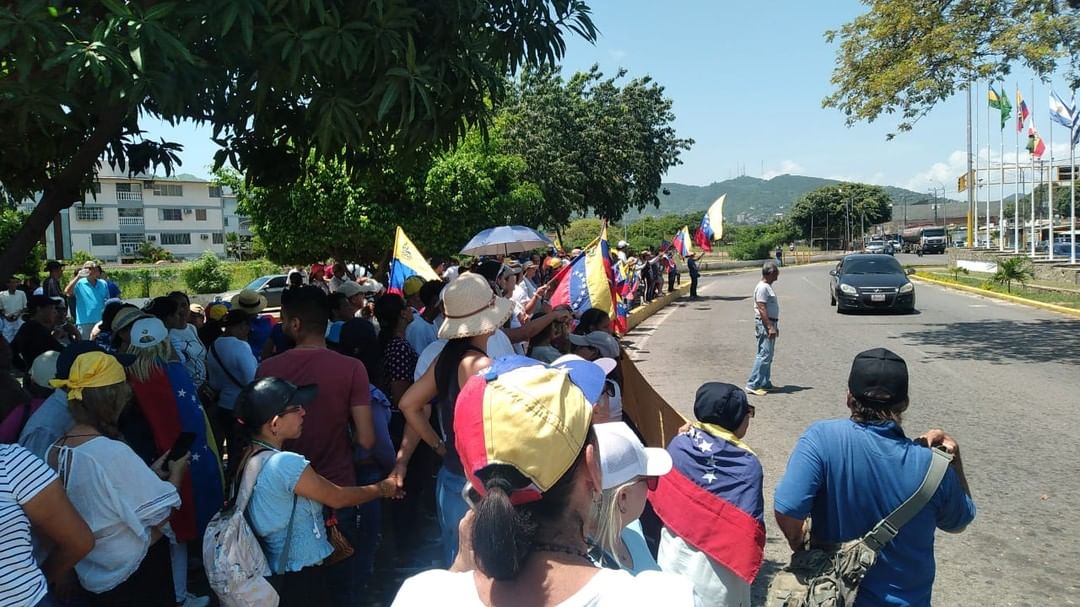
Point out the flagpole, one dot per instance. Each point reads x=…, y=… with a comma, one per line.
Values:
x=1001, y=189
x=971, y=186
x=989, y=153
x=1050, y=191
x=1016, y=191
x=976, y=184
x=1072, y=195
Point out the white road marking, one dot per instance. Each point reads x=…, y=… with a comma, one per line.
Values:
x=657, y=320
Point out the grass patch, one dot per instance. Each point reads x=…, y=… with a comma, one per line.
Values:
x=161, y=280
x=982, y=281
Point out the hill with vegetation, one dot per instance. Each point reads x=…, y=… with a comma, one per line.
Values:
x=749, y=199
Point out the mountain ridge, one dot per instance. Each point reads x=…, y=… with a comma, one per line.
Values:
x=751, y=199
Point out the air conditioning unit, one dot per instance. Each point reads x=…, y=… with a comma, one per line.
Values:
x=204, y=236
x=188, y=211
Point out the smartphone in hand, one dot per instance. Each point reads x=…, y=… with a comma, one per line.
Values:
x=181, y=446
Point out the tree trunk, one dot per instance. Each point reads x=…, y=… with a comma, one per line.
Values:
x=64, y=191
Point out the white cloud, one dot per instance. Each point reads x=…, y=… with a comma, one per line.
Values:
x=787, y=167
x=940, y=174
x=877, y=178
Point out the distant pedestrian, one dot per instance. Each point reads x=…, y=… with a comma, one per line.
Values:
x=766, y=329
x=52, y=287
x=692, y=270
x=12, y=306
x=779, y=255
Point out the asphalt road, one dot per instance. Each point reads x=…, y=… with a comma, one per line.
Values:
x=1001, y=378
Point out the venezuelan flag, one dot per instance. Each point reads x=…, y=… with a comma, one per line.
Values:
x=406, y=261
x=681, y=241
x=712, y=498
x=170, y=405
x=588, y=283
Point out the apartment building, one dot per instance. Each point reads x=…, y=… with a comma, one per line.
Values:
x=183, y=214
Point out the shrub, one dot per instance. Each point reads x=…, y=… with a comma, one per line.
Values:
x=206, y=275
x=78, y=258
x=1016, y=269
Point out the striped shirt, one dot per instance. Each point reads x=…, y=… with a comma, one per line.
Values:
x=22, y=477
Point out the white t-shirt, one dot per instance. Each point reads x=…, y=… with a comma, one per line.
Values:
x=22, y=477
x=12, y=303
x=192, y=352
x=608, y=588
x=120, y=499
x=763, y=293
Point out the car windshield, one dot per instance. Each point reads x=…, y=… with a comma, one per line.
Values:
x=934, y=232
x=258, y=282
x=873, y=266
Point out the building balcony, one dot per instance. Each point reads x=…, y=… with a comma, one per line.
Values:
x=129, y=197
x=129, y=249
x=131, y=221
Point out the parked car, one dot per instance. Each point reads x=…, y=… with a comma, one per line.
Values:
x=871, y=282
x=269, y=286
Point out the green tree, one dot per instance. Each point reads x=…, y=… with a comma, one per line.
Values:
x=905, y=56
x=649, y=231
x=829, y=208
x=581, y=232
x=1013, y=269
x=11, y=221
x=277, y=80
x=1062, y=200
x=206, y=274
x=759, y=241
x=593, y=145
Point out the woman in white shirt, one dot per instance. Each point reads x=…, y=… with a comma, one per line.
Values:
x=125, y=503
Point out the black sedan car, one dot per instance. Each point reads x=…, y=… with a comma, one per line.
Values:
x=871, y=282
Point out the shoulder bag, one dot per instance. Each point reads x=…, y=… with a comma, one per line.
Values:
x=829, y=576
x=207, y=393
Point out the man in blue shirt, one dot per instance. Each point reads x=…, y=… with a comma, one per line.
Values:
x=90, y=293
x=847, y=475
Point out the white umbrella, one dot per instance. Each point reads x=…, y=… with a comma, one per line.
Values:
x=504, y=240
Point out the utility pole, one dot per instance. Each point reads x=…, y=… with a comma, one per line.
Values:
x=970, y=186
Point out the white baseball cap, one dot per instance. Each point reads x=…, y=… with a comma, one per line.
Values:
x=148, y=332
x=623, y=457
x=43, y=368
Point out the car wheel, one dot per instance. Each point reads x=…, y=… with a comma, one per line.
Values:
x=839, y=310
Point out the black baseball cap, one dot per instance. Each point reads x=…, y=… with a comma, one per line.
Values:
x=52, y=264
x=879, y=378
x=69, y=354
x=722, y=404
x=38, y=302
x=263, y=399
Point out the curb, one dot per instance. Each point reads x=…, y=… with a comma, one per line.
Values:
x=638, y=315
x=1002, y=296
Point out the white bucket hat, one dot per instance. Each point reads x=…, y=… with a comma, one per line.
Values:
x=471, y=308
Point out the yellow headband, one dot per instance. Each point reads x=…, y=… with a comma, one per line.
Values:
x=91, y=370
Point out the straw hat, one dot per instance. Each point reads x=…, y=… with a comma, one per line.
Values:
x=249, y=301
x=471, y=308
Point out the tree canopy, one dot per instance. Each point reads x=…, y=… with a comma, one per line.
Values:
x=279, y=81
x=828, y=209
x=594, y=145
x=905, y=56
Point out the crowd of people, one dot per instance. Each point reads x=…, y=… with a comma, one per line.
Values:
x=361, y=413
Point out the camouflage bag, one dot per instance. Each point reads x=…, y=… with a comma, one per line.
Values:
x=829, y=576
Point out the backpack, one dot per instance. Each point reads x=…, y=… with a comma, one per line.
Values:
x=830, y=576
x=235, y=564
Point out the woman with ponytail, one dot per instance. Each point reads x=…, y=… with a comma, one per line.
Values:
x=524, y=435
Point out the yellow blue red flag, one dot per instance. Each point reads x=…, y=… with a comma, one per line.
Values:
x=407, y=261
x=587, y=283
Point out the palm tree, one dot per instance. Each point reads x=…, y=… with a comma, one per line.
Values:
x=1014, y=268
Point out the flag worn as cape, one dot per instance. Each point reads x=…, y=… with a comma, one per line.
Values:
x=406, y=261
x=712, y=498
x=170, y=405
x=588, y=282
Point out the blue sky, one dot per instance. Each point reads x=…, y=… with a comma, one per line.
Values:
x=747, y=80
